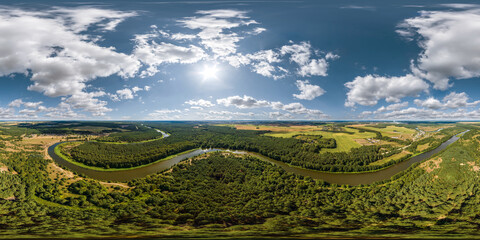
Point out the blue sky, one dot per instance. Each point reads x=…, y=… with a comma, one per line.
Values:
x=240, y=60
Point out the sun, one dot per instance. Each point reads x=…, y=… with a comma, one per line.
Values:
x=209, y=72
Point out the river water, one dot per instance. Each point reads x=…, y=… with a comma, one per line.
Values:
x=338, y=178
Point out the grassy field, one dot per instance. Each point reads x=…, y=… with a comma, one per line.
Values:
x=393, y=131
x=345, y=141
x=274, y=128
x=422, y=147
x=393, y=157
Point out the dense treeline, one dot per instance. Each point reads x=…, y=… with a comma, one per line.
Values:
x=141, y=133
x=108, y=131
x=295, y=151
x=8, y=183
x=15, y=131
x=317, y=141
x=290, y=150
x=125, y=156
x=74, y=127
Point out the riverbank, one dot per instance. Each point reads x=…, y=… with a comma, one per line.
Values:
x=352, y=179
x=67, y=158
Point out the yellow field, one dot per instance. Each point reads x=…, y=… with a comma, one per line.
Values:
x=345, y=141
x=422, y=147
x=434, y=128
x=274, y=128
x=393, y=131
x=393, y=157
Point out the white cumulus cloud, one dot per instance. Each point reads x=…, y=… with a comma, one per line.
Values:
x=308, y=91
x=450, y=42
x=453, y=100
x=61, y=60
x=242, y=102
x=368, y=90
x=200, y=103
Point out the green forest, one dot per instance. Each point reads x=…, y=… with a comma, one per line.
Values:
x=225, y=195
x=302, y=151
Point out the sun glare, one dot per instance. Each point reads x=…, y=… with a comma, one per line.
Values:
x=209, y=72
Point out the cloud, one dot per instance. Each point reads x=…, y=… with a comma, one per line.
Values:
x=391, y=107
x=316, y=67
x=20, y=102
x=226, y=115
x=301, y=54
x=370, y=8
x=7, y=113
x=268, y=62
x=450, y=42
x=298, y=108
x=200, y=103
x=280, y=115
x=370, y=89
x=153, y=54
x=81, y=19
x=182, y=36
x=219, y=32
x=460, y=5
x=243, y=102
x=16, y=103
x=430, y=114
x=125, y=93
x=307, y=90
x=413, y=113
x=261, y=62
x=250, y=102
x=89, y=102
x=452, y=106
x=33, y=109
x=63, y=111
x=215, y=29
x=258, y=30
x=165, y=114
x=453, y=100
x=136, y=89
x=61, y=59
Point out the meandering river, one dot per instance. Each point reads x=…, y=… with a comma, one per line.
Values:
x=338, y=178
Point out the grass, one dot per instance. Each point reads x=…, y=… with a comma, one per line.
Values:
x=345, y=141
x=394, y=131
x=68, y=159
x=388, y=159
x=422, y=147
x=274, y=128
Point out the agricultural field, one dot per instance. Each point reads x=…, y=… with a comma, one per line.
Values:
x=345, y=141
x=346, y=137
x=393, y=157
x=392, y=131
x=350, y=136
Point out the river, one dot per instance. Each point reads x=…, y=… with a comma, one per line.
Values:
x=338, y=178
